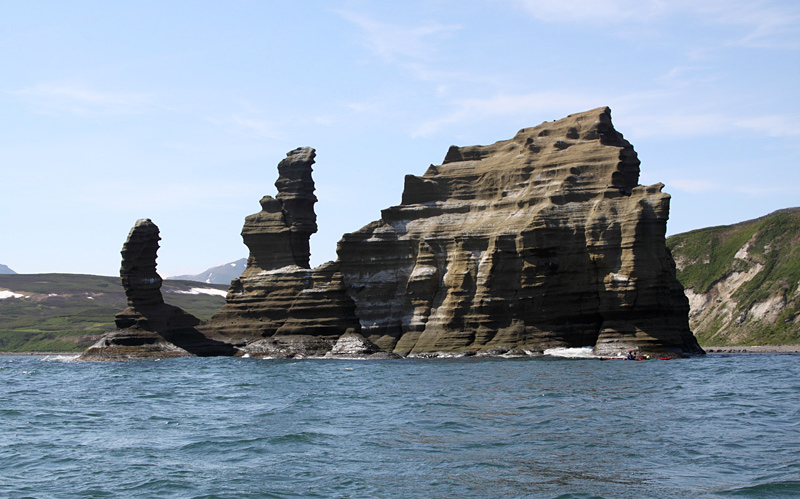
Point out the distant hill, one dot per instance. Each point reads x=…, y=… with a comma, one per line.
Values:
x=223, y=274
x=742, y=280
x=5, y=270
x=68, y=312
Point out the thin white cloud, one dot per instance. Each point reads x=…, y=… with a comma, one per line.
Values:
x=255, y=127
x=644, y=114
x=395, y=43
x=782, y=125
x=535, y=104
x=705, y=186
x=768, y=26
x=595, y=11
x=674, y=124
x=765, y=23
x=693, y=186
x=78, y=100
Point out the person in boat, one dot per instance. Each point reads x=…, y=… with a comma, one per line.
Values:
x=630, y=355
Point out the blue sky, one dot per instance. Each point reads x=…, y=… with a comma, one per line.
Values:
x=179, y=111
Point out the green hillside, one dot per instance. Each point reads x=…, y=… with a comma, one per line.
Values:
x=742, y=280
x=68, y=312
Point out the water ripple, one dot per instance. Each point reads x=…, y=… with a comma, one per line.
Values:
x=722, y=426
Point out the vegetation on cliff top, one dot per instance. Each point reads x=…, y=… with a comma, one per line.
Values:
x=69, y=312
x=761, y=309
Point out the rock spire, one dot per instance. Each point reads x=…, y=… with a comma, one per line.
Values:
x=278, y=236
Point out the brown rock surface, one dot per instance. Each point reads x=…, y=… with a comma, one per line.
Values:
x=543, y=240
x=278, y=235
x=285, y=312
x=279, y=307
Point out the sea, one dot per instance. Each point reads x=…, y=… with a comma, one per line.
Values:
x=565, y=425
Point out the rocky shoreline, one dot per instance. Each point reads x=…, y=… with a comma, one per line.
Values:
x=449, y=355
x=754, y=349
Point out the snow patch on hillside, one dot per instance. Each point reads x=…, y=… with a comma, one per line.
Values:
x=203, y=291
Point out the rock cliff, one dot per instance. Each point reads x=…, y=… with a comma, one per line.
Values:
x=278, y=306
x=543, y=240
x=540, y=241
x=278, y=235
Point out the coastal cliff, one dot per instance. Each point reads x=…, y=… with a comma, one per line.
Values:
x=544, y=240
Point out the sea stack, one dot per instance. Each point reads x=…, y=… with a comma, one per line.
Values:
x=149, y=328
x=278, y=235
x=544, y=240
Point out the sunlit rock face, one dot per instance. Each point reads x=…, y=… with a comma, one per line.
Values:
x=544, y=240
x=540, y=241
x=278, y=236
x=278, y=306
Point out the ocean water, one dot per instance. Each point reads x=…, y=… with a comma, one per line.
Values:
x=723, y=426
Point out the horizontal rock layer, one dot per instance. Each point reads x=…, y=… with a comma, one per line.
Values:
x=539, y=241
x=544, y=240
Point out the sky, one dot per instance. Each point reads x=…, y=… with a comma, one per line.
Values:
x=179, y=111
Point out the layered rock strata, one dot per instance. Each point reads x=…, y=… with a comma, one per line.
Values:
x=278, y=306
x=540, y=241
x=544, y=240
x=278, y=235
x=149, y=327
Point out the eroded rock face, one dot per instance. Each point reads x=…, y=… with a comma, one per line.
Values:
x=544, y=240
x=138, y=274
x=540, y=241
x=279, y=307
x=278, y=235
x=149, y=327
x=285, y=312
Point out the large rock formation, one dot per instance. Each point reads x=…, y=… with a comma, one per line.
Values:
x=278, y=235
x=149, y=327
x=543, y=240
x=278, y=306
x=540, y=241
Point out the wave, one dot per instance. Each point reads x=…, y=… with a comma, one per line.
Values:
x=59, y=358
x=571, y=353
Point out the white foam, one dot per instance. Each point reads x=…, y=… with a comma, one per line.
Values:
x=571, y=353
x=4, y=293
x=59, y=358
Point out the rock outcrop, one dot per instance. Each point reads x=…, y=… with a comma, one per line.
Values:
x=545, y=240
x=278, y=306
x=278, y=235
x=540, y=241
x=149, y=327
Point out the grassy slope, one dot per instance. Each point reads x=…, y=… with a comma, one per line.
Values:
x=705, y=256
x=67, y=312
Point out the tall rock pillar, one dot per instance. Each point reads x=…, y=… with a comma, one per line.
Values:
x=278, y=236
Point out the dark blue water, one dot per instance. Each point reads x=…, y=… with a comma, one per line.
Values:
x=720, y=426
